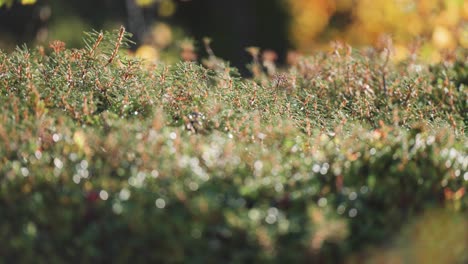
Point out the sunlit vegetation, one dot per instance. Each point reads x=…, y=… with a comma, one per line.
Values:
x=9, y=3
x=106, y=158
x=442, y=23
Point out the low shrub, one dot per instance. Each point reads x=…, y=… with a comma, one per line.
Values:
x=103, y=158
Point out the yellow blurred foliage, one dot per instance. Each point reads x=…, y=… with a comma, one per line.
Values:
x=144, y=3
x=166, y=8
x=400, y=52
x=343, y=5
x=309, y=19
x=465, y=10
x=441, y=22
x=443, y=38
x=28, y=2
x=147, y=52
x=161, y=35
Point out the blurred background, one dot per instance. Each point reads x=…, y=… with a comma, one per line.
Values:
x=169, y=30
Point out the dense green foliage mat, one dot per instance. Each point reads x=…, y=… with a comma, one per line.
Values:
x=105, y=158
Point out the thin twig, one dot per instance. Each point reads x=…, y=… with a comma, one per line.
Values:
x=117, y=45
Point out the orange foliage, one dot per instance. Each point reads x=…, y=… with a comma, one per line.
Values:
x=441, y=22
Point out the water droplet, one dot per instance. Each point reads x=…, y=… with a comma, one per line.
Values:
x=448, y=164
x=141, y=176
x=258, y=165
x=273, y=211
x=294, y=149
x=270, y=219
x=352, y=196
x=160, y=203
x=322, y=202
x=316, y=168
x=124, y=194
x=56, y=137
x=453, y=153
x=430, y=140
x=373, y=151
x=261, y=136
x=83, y=173
x=172, y=135
x=73, y=156
x=444, y=183
x=193, y=186
x=254, y=214
x=139, y=136
x=323, y=171
x=25, y=171
x=76, y=178
x=58, y=163
x=154, y=174
x=353, y=212
x=364, y=189
x=279, y=187
x=84, y=164
x=103, y=195
x=38, y=154
x=297, y=176
x=341, y=209
x=132, y=181
x=117, y=208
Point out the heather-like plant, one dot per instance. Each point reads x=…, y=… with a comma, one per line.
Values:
x=106, y=158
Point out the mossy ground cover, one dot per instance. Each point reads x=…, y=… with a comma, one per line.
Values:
x=106, y=158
